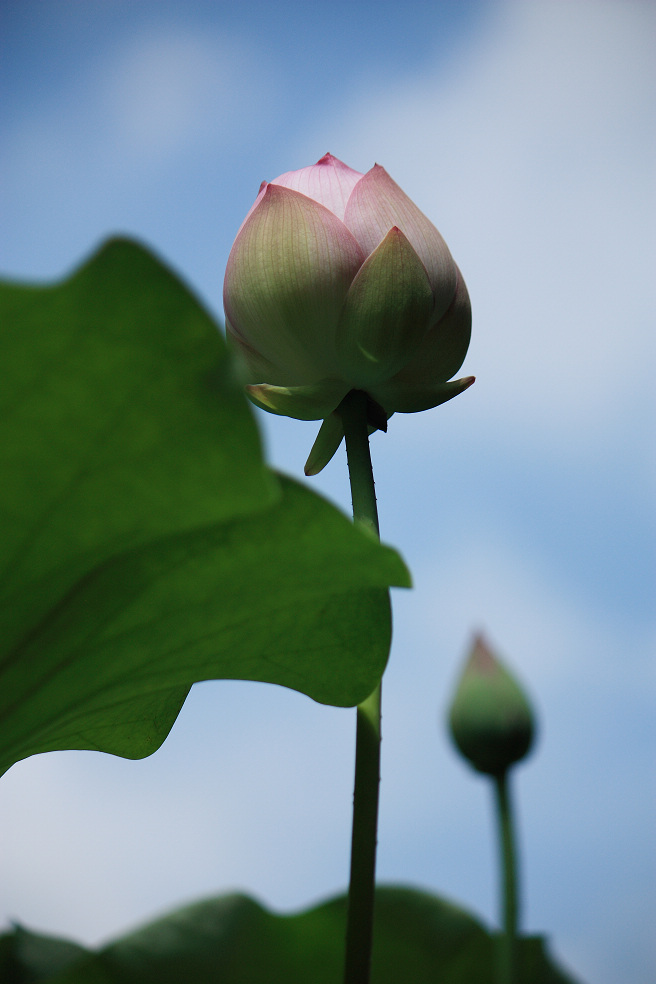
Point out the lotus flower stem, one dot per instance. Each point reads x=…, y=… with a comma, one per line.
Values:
x=353, y=411
x=360, y=913
x=507, y=957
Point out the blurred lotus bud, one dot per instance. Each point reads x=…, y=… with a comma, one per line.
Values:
x=490, y=719
x=337, y=281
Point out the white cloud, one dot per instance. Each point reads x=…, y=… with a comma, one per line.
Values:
x=553, y=639
x=144, y=104
x=123, y=136
x=163, y=92
x=534, y=156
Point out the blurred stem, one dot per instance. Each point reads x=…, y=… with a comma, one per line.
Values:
x=360, y=912
x=507, y=954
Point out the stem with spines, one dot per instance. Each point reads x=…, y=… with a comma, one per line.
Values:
x=360, y=913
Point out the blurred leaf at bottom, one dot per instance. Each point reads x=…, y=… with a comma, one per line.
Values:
x=419, y=939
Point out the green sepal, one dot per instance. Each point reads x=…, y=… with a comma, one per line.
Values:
x=312, y=402
x=406, y=400
x=328, y=440
x=331, y=435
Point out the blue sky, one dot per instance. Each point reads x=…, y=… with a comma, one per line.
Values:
x=524, y=130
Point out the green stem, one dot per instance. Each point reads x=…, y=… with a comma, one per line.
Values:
x=507, y=965
x=360, y=913
x=353, y=411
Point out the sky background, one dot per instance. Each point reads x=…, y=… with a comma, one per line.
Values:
x=525, y=507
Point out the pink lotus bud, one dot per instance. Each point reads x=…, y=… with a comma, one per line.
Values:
x=336, y=281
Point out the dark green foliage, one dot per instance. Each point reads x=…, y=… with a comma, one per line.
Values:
x=419, y=939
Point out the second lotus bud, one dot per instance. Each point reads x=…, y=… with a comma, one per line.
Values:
x=490, y=719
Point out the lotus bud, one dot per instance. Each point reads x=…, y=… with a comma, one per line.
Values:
x=337, y=281
x=490, y=719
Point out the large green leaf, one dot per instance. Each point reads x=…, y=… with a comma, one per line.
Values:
x=418, y=938
x=145, y=545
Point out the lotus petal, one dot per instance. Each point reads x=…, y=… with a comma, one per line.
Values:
x=376, y=204
x=287, y=277
x=443, y=348
x=397, y=399
x=329, y=182
x=386, y=313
